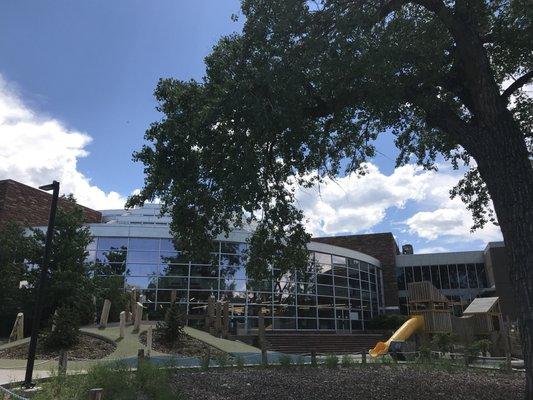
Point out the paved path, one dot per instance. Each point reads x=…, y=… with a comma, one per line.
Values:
x=229, y=346
x=14, y=370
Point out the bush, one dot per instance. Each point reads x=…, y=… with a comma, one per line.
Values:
x=239, y=362
x=285, y=360
x=223, y=360
x=64, y=332
x=331, y=361
x=424, y=353
x=346, y=361
x=205, y=360
x=387, y=321
x=170, y=330
x=444, y=342
x=118, y=381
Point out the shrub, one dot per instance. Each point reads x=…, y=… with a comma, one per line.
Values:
x=65, y=329
x=346, y=361
x=170, y=330
x=118, y=381
x=424, y=353
x=239, y=362
x=205, y=360
x=331, y=361
x=223, y=360
x=485, y=346
x=285, y=360
x=444, y=342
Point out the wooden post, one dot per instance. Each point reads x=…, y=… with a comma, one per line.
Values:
x=218, y=318
x=225, y=319
x=210, y=315
x=122, y=324
x=96, y=394
x=105, y=314
x=17, y=333
x=140, y=356
x=138, y=316
x=149, y=339
x=62, y=367
x=313, y=358
x=363, y=357
x=264, y=356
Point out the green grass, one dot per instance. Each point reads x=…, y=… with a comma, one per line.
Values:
x=119, y=382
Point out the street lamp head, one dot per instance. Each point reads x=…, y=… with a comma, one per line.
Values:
x=51, y=186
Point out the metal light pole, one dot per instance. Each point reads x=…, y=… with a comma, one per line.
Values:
x=38, y=309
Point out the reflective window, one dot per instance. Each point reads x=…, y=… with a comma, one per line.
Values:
x=327, y=295
x=454, y=279
x=435, y=276
x=144, y=244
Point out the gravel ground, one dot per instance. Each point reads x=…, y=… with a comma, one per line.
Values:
x=88, y=348
x=383, y=382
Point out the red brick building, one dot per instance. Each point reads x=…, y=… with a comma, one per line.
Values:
x=30, y=206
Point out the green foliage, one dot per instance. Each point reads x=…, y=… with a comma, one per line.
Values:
x=347, y=361
x=170, y=330
x=424, y=354
x=387, y=321
x=331, y=361
x=223, y=360
x=64, y=331
x=285, y=360
x=239, y=362
x=478, y=347
x=444, y=341
x=15, y=247
x=118, y=381
x=69, y=280
x=302, y=94
x=205, y=360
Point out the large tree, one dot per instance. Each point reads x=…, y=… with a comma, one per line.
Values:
x=306, y=88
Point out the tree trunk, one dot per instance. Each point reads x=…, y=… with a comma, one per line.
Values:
x=503, y=163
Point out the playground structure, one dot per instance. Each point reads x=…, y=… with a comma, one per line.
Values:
x=430, y=313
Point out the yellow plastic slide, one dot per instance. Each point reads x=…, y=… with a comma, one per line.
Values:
x=412, y=325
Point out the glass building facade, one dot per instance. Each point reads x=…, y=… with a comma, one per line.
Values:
x=337, y=292
x=461, y=283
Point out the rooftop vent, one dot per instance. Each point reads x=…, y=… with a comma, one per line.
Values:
x=407, y=249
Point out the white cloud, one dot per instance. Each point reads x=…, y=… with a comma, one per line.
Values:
x=36, y=149
x=432, y=249
x=352, y=205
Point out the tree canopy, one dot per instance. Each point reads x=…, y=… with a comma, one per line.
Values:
x=306, y=88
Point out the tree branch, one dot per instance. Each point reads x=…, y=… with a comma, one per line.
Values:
x=513, y=87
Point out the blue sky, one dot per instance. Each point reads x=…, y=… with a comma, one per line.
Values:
x=76, y=83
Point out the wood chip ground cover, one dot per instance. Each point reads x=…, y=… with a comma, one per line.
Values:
x=88, y=348
x=384, y=382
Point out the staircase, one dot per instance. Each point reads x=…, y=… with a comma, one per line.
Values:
x=302, y=343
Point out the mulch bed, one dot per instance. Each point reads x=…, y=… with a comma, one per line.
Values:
x=188, y=347
x=88, y=348
x=383, y=382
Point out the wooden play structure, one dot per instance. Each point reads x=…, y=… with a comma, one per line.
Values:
x=427, y=301
x=431, y=313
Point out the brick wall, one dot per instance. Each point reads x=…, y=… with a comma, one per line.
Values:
x=378, y=245
x=30, y=206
